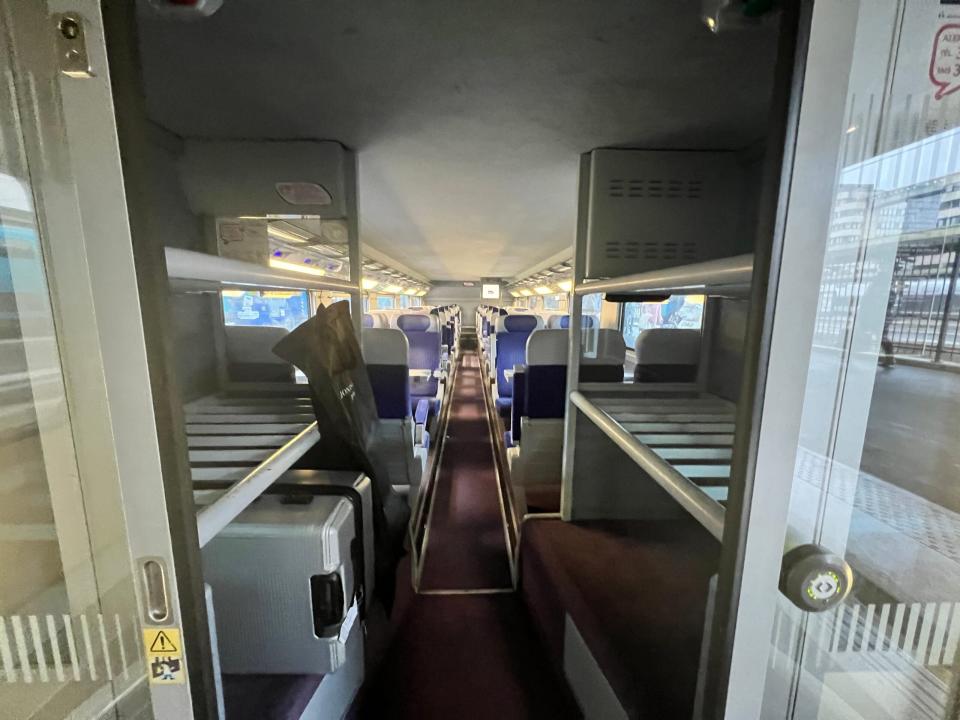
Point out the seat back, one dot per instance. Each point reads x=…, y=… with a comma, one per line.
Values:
x=250, y=354
x=511, y=346
x=546, y=375
x=586, y=321
x=385, y=352
x=554, y=320
x=607, y=366
x=423, y=337
x=667, y=355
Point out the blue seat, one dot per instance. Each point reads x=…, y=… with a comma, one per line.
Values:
x=402, y=438
x=368, y=320
x=424, y=339
x=385, y=352
x=586, y=321
x=510, y=349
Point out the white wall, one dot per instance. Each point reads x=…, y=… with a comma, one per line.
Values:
x=454, y=293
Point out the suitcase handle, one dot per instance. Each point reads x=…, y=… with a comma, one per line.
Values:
x=326, y=597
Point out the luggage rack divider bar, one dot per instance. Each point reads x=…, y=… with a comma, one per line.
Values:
x=190, y=266
x=707, y=511
x=216, y=516
x=729, y=277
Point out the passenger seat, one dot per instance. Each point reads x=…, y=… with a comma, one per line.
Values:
x=402, y=439
x=509, y=350
x=667, y=355
x=250, y=355
x=423, y=334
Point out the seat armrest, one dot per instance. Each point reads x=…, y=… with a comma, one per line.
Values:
x=422, y=412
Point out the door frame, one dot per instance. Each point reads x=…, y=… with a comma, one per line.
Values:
x=73, y=156
x=781, y=350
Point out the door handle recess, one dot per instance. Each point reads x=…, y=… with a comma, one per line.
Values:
x=815, y=579
x=154, y=577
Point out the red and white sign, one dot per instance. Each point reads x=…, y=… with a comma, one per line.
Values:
x=945, y=60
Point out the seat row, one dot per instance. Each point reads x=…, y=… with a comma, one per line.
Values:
x=407, y=354
x=526, y=355
x=444, y=319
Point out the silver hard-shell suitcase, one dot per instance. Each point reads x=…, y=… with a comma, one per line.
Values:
x=284, y=583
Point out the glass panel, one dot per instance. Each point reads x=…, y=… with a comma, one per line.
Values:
x=876, y=478
x=272, y=308
x=678, y=311
x=69, y=636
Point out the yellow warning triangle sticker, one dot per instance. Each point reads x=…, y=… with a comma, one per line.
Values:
x=163, y=644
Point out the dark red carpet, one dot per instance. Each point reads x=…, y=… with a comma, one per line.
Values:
x=460, y=657
x=466, y=546
x=465, y=657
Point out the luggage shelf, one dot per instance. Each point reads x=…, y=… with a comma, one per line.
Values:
x=248, y=441
x=684, y=443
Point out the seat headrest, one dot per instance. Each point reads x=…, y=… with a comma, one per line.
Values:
x=586, y=321
x=547, y=347
x=518, y=323
x=668, y=346
x=384, y=346
x=611, y=349
x=414, y=323
x=368, y=320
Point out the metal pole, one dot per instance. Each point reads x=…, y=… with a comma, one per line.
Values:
x=726, y=276
x=948, y=304
x=214, y=518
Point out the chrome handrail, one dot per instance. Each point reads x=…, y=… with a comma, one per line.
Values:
x=215, y=517
x=728, y=277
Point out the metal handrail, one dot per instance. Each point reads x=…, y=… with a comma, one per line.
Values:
x=206, y=268
x=704, y=509
x=727, y=277
x=216, y=516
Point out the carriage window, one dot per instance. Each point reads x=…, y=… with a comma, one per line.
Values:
x=678, y=311
x=384, y=302
x=269, y=308
x=555, y=302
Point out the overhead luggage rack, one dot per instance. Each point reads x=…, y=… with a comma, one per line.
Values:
x=248, y=440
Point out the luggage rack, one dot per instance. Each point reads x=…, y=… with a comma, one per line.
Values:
x=683, y=443
x=248, y=439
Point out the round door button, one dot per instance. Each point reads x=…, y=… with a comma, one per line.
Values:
x=815, y=579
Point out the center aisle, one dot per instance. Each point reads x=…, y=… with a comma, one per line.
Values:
x=466, y=541
x=465, y=655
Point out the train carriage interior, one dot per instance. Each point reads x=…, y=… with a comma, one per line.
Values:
x=500, y=360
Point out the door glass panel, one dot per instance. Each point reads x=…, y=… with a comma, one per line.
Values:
x=877, y=477
x=69, y=635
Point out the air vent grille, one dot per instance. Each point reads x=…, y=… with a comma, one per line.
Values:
x=655, y=188
x=666, y=250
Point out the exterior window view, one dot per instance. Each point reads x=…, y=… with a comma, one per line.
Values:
x=272, y=309
x=680, y=311
x=480, y=360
